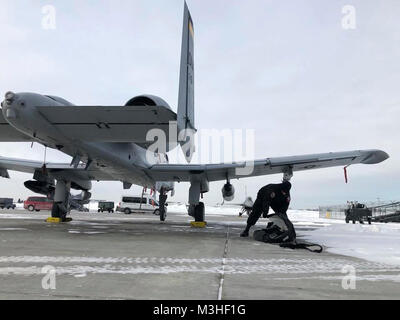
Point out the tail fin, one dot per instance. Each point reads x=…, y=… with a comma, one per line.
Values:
x=185, y=115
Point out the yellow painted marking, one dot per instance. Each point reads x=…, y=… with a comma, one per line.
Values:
x=57, y=220
x=196, y=224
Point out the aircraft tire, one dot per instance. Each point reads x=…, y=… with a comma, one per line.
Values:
x=199, y=212
x=58, y=212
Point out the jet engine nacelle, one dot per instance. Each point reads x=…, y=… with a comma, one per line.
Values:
x=159, y=104
x=148, y=100
x=228, y=192
x=82, y=198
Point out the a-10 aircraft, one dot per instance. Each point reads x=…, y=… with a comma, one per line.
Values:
x=109, y=144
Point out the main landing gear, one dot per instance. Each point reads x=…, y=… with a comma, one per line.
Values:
x=198, y=212
x=61, y=206
x=196, y=208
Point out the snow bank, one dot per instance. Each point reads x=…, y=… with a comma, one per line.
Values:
x=376, y=242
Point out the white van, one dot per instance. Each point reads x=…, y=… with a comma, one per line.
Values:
x=131, y=204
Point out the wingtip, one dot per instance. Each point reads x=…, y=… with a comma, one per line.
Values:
x=375, y=156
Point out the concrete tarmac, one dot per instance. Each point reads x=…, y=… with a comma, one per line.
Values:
x=117, y=256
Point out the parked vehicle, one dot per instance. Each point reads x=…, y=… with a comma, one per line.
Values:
x=131, y=204
x=7, y=203
x=106, y=206
x=358, y=212
x=38, y=203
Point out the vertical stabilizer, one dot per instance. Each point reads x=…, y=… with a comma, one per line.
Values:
x=185, y=115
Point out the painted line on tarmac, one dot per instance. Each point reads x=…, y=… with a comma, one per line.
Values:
x=221, y=283
x=323, y=269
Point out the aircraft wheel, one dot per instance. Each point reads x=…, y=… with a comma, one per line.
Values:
x=58, y=211
x=199, y=212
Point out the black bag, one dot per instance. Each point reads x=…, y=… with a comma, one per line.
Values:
x=272, y=234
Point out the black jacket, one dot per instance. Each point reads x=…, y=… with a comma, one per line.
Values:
x=272, y=196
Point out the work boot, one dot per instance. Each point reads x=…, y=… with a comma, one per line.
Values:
x=245, y=233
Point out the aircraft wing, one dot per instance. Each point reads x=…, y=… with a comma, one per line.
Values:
x=9, y=133
x=211, y=172
x=108, y=124
x=55, y=170
x=215, y=172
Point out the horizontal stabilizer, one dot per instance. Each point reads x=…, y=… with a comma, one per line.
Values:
x=108, y=124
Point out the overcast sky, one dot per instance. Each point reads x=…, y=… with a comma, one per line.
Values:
x=287, y=69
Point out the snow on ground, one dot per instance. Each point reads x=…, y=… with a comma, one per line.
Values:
x=378, y=242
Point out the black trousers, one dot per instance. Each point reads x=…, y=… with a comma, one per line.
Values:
x=257, y=212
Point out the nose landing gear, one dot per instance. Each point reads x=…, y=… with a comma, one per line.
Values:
x=162, y=200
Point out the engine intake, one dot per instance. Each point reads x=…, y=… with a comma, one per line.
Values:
x=147, y=100
x=228, y=192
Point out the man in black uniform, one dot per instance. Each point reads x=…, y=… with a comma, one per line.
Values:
x=276, y=196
